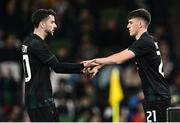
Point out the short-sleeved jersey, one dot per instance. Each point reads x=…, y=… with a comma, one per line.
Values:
x=150, y=68
x=38, y=89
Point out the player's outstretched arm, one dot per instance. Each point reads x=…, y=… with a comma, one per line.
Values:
x=59, y=67
x=117, y=58
x=93, y=66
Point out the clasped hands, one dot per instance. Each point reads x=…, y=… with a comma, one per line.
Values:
x=91, y=67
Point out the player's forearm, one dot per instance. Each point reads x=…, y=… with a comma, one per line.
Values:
x=106, y=61
x=65, y=67
x=69, y=68
x=117, y=58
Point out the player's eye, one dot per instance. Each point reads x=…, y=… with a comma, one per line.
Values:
x=52, y=22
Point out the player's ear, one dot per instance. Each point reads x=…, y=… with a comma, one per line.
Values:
x=42, y=24
x=142, y=23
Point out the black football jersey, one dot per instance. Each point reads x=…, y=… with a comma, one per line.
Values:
x=150, y=68
x=36, y=73
x=37, y=62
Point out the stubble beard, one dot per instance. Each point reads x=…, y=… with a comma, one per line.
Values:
x=49, y=33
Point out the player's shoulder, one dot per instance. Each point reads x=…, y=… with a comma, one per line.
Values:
x=33, y=40
x=28, y=38
x=147, y=39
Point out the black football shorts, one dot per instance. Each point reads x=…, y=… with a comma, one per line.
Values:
x=43, y=114
x=156, y=111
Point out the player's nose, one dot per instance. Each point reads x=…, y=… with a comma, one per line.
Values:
x=55, y=26
x=128, y=26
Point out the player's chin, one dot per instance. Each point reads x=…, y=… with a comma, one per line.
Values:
x=131, y=34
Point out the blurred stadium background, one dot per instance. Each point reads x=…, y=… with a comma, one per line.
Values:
x=86, y=29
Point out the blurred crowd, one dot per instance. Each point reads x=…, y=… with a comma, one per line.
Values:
x=86, y=29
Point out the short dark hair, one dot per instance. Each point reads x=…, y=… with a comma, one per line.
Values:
x=41, y=14
x=140, y=13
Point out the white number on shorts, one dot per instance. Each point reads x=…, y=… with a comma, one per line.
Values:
x=151, y=114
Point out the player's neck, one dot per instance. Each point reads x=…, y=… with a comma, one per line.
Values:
x=140, y=33
x=40, y=33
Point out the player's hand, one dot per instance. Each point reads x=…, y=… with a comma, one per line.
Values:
x=90, y=72
x=89, y=63
x=94, y=70
x=91, y=67
x=86, y=72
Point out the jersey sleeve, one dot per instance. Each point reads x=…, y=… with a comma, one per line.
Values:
x=141, y=47
x=65, y=67
x=41, y=51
